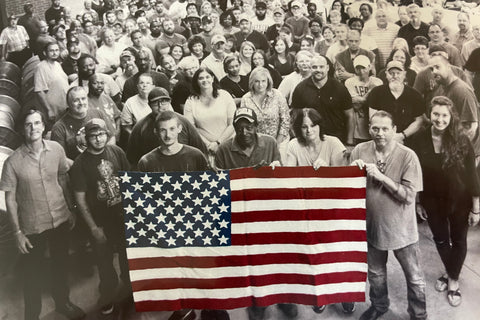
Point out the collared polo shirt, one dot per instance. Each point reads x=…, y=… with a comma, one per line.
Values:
x=40, y=201
x=16, y=39
x=230, y=156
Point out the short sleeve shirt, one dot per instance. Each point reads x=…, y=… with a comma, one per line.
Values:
x=391, y=224
x=39, y=196
x=329, y=148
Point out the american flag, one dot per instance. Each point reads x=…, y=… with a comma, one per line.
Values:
x=232, y=239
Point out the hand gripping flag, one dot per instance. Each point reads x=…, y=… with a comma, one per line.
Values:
x=243, y=237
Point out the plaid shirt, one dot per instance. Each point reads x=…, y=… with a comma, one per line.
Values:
x=15, y=38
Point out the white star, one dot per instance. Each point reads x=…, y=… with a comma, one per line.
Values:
x=180, y=233
x=223, y=191
x=142, y=232
x=151, y=226
x=127, y=194
x=188, y=225
x=185, y=177
x=188, y=209
x=171, y=241
x=168, y=195
x=214, y=200
x=169, y=209
x=137, y=186
x=197, y=216
x=132, y=240
x=161, y=218
x=170, y=226
x=139, y=202
x=160, y=202
x=223, y=208
x=125, y=178
x=207, y=240
x=216, y=216
x=213, y=184
x=187, y=194
x=157, y=187
x=205, y=193
x=197, y=201
x=161, y=234
x=215, y=232
x=196, y=184
x=207, y=225
x=140, y=218
x=149, y=209
x=153, y=240
x=223, y=224
x=165, y=178
x=148, y=195
x=146, y=178
x=178, y=202
x=178, y=218
x=205, y=176
x=223, y=239
x=206, y=209
x=222, y=175
x=188, y=240
x=130, y=225
x=129, y=209
x=177, y=186
x=198, y=233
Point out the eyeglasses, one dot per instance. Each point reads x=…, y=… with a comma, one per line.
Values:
x=98, y=135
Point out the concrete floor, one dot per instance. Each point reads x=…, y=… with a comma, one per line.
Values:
x=85, y=293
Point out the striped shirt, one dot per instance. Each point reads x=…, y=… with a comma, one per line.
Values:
x=15, y=38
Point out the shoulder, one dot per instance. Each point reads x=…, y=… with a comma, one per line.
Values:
x=192, y=151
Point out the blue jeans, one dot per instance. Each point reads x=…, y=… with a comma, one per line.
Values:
x=377, y=277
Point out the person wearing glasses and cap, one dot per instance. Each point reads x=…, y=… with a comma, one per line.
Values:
x=394, y=177
x=97, y=193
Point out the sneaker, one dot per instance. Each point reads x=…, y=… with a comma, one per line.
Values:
x=107, y=309
x=70, y=311
x=319, y=309
x=348, y=307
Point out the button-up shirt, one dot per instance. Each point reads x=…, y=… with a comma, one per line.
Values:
x=15, y=38
x=39, y=196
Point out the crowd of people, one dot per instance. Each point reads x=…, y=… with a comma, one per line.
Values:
x=188, y=85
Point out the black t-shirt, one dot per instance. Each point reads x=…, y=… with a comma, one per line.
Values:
x=97, y=176
x=404, y=110
x=187, y=159
x=236, y=89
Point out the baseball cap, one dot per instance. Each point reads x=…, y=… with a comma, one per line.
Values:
x=278, y=10
x=126, y=53
x=206, y=20
x=12, y=17
x=245, y=113
x=218, y=38
x=261, y=5
x=361, y=60
x=296, y=4
x=243, y=17
x=157, y=93
x=395, y=64
x=95, y=125
x=55, y=29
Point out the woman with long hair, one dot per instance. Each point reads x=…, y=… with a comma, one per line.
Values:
x=451, y=190
x=282, y=60
x=259, y=59
x=328, y=39
x=311, y=147
x=177, y=52
x=269, y=105
x=301, y=72
x=245, y=55
x=210, y=109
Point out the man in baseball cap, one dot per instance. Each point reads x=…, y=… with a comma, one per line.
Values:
x=261, y=21
x=214, y=61
x=247, y=148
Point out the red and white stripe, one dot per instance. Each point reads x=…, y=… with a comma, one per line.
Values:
x=298, y=236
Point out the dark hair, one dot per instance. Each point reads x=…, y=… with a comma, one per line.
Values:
x=82, y=59
x=473, y=62
x=314, y=116
x=287, y=49
x=229, y=59
x=408, y=59
x=226, y=14
x=192, y=5
x=196, y=91
x=135, y=32
x=179, y=46
x=317, y=20
x=265, y=59
x=29, y=113
x=352, y=20
x=420, y=40
x=194, y=40
x=165, y=116
x=327, y=27
x=370, y=9
x=231, y=37
x=454, y=142
x=309, y=39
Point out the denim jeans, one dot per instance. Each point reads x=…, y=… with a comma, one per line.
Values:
x=377, y=277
